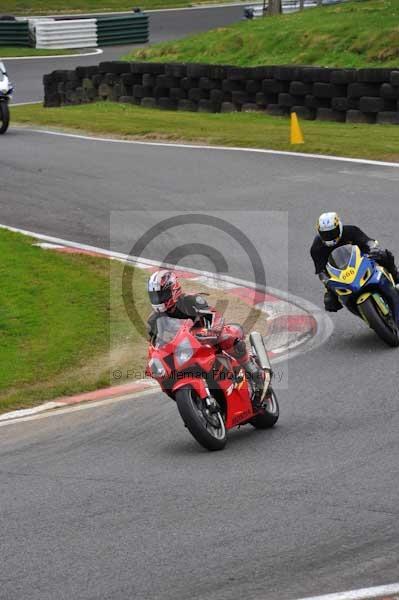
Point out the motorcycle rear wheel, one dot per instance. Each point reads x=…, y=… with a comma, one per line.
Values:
x=389, y=335
x=4, y=116
x=270, y=414
x=209, y=430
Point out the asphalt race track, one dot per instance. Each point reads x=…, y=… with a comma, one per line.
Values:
x=164, y=25
x=118, y=501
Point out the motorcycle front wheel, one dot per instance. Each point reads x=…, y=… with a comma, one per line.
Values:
x=387, y=332
x=4, y=116
x=207, y=428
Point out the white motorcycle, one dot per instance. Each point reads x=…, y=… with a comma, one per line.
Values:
x=6, y=90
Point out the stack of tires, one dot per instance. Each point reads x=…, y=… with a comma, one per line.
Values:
x=343, y=95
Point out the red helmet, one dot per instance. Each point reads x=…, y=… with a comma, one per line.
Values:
x=164, y=290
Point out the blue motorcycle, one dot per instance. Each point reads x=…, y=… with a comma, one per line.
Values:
x=366, y=289
x=6, y=90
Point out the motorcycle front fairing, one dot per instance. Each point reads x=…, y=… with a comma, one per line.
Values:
x=6, y=89
x=382, y=287
x=361, y=278
x=239, y=405
x=348, y=282
x=178, y=359
x=232, y=389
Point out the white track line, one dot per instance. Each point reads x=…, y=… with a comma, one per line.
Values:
x=361, y=161
x=96, y=51
x=25, y=103
x=362, y=594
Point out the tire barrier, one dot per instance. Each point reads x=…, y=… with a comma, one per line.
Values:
x=131, y=29
x=327, y=94
x=14, y=33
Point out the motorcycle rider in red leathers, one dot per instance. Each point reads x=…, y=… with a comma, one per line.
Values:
x=167, y=298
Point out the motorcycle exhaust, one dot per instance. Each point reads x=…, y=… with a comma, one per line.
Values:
x=259, y=348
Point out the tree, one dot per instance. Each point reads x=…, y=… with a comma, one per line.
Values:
x=274, y=7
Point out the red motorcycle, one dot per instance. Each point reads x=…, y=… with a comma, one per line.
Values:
x=209, y=386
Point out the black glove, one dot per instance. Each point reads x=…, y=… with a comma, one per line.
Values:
x=377, y=253
x=323, y=277
x=331, y=302
x=330, y=308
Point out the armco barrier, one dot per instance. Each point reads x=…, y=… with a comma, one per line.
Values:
x=14, y=33
x=127, y=29
x=77, y=33
x=327, y=94
x=57, y=33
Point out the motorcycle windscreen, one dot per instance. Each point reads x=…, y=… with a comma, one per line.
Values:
x=167, y=330
x=341, y=258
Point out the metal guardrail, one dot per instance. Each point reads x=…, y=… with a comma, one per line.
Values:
x=80, y=33
x=14, y=33
x=59, y=33
x=130, y=29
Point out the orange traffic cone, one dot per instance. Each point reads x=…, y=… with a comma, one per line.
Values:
x=296, y=133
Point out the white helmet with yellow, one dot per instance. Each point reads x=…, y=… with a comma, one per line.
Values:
x=330, y=228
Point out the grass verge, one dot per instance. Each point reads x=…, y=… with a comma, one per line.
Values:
x=53, y=7
x=64, y=328
x=255, y=130
x=55, y=323
x=12, y=51
x=354, y=34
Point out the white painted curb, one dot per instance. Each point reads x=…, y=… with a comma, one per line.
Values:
x=96, y=51
x=44, y=410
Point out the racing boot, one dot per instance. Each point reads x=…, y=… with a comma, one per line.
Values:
x=393, y=269
x=254, y=373
x=257, y=377
x=387, y=260
x=395, y=275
